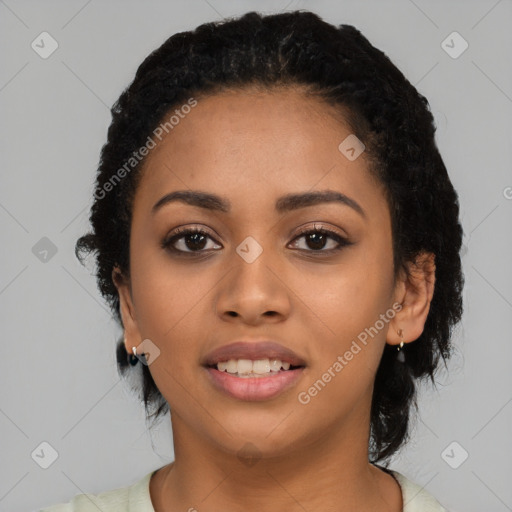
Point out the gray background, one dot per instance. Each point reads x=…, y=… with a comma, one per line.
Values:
x=59, y=382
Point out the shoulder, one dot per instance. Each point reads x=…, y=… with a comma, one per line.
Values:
x=416, y=498
x=133, y=497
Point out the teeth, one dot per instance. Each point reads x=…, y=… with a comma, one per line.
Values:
x=232, y=366
x=245, y=367
x=275, y=365
x=261, y=366
x=222, y=366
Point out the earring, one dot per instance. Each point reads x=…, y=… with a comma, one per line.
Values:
x=132, y=358
x=401, y=356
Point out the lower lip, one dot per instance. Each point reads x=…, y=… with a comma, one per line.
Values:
x=254, y=388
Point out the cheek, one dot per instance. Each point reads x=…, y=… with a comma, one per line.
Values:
x=171, y=308
x=352, y=306
x=352, y=295
x=168, y=300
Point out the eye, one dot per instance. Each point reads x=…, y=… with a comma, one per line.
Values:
x=189, y=240
x=317, y=238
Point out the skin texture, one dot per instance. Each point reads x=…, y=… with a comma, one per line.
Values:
x=251, y=148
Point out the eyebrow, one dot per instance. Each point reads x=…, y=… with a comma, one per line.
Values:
x=284, y=204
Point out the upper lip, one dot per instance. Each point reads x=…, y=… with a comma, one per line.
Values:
x=253, y=350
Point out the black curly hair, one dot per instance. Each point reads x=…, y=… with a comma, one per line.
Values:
x=339, y=66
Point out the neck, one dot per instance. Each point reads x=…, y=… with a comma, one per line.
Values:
x=330, y=473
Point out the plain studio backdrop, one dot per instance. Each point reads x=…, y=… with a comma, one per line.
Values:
x=60, y=392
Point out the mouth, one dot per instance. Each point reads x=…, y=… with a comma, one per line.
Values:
x=254, y=387
x=253, y=371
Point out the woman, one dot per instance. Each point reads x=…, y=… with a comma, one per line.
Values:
x=276, y=232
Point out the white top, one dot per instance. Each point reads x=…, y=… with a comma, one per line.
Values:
x=136, y=498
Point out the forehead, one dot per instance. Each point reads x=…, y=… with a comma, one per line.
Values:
x=254, y=146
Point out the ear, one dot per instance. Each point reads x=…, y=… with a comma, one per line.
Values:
x=414, y=291
x=127, y=310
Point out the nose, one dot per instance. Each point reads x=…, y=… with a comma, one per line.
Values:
x=254, y=292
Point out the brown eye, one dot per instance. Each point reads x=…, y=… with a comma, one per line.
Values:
x=317, y=239
x=190, y=240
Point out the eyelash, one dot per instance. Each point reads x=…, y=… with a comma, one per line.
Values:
x=178, y=234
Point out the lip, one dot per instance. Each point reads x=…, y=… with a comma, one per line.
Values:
x=253, y=350
x=254, y=388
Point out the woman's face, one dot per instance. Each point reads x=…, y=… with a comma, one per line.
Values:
x=254, y=276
